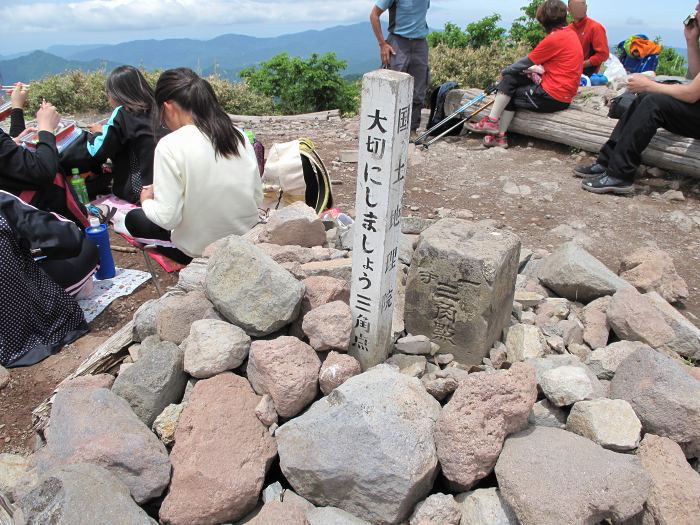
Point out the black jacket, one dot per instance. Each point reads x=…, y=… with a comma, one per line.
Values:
x=127, y=139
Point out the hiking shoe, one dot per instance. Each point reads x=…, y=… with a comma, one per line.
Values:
x=496, y=141
x=608, y=184
x=590, y=171
x=486, y=126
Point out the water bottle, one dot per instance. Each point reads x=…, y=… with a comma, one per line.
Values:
x=98, y=234
x=78, y=184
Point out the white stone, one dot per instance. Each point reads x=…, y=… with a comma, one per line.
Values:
x=566, y=385
x=524, y=342
x=485, y=507
x=611, y=423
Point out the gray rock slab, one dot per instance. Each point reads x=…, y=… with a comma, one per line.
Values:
x=609, y=422
x=214, y=346
x=332, y=516
x=485, y=506
x=155, y=381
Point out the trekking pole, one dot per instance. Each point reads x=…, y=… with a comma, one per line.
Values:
x=459, y=111
x=426, y=145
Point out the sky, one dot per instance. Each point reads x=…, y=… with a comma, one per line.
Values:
x=37, y=24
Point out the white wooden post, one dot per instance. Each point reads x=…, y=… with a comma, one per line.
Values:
x=385, y=122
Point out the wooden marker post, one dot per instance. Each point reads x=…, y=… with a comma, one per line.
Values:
x=385, y=122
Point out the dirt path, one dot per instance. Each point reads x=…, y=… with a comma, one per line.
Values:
x=529, y=188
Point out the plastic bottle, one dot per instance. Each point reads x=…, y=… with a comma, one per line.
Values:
x=78, y=184
x=98, y=234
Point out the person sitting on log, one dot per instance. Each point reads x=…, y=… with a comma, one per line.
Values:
x=206, y=181
x=36, y=177
x=38, y=313
x=545, y=81
x=675, y=108
x=594, y=39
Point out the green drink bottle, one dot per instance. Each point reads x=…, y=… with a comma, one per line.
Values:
x=78, y=184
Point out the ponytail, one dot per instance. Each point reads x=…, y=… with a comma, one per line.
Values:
x=195, y=95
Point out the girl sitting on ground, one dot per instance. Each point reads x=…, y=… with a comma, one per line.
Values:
x=126, y=138
x=38, y=313
x=545, y=81
x=206, y=183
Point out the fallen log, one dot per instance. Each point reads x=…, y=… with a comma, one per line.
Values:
x=332, y=114
x=587, y=131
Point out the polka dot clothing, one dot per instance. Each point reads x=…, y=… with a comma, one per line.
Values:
x=37, y=317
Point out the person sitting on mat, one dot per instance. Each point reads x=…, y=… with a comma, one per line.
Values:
x=38, y=313
x=560, y=55
x=127, y=137
x=675, y=108
x=206, y=182
x=37, y=176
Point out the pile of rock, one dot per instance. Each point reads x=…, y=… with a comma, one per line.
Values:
x=527, y=388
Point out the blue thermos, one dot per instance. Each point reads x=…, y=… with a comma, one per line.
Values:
x=99, y=235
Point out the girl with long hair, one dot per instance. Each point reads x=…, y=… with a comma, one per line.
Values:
x=127, y=138
x=206, y=183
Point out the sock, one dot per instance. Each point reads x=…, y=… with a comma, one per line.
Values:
x=506, y=120
x=499, y=105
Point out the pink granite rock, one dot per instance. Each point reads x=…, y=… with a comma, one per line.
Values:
x=336, y=369
x=634, y=318
x=221, y=455
x=329, y=327
x=652, y=270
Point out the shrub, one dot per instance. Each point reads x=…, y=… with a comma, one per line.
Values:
x=79, y=92
x=471, y=67
x=526, y=29
x=671, y=62
x=477, y=34
x=301, y=86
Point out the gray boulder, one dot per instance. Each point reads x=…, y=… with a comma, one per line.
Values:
x=485, y=506
x=609, y=422
x=97, y=426
x=438, y=509
x=145, y=320
x=566, y=385
x=604, y=361
x=544, y=364
x=213, y=347
x=460, y=287
x=551, y=477
x=153, y=382
x=367, y=448
x=176, y=313
x=250, y=289
x=663, y=395
x=687, y=336
x=82, y=494
x=332, y=516
x=574, y=273
x=545, y=414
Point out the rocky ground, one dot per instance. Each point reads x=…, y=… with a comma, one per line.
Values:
x=527, y=190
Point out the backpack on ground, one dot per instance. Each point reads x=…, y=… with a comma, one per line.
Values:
x=437, y=110
x=294, y=172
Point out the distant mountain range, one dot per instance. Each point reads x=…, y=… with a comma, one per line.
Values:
x=226, y=55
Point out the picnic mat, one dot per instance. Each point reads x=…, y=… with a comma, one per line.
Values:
x=125, y=282
x=118, y=221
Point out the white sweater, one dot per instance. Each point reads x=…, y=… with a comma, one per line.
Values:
x=200, y=197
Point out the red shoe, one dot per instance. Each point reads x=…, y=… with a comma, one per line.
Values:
x=486, y=126
x=496, y=141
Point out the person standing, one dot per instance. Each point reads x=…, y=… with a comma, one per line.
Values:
x=592, y=35
x=406, y=48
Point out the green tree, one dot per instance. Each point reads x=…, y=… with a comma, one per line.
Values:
x=526, y=29
x=300, y=86
x=477, y=34
x=671, y=62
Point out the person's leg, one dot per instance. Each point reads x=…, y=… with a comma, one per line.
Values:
x=142, y=227
x=419, y=69
x=503, y=102
x=74, y=273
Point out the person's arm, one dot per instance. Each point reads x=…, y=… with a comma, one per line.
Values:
x=55, y=236
x=518, y=67
x=385, y=50
x=39, y=168
x=601, y=47
x=689, y=93
x=163, y=203
x=692, y=38
x=18, y=98
x=106, y=144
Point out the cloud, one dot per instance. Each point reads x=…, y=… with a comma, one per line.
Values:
x=635, y=21
x=115, y=15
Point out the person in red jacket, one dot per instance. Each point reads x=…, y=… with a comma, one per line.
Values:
x=545, y=81
x=592, y=35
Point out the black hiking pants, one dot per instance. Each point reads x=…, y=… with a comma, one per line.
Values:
x=622, y=153
x=527, y=95
x=141, y=226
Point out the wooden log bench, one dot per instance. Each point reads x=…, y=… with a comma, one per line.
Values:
x=588, y=131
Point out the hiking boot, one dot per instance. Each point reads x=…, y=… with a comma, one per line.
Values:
x=590, y=171
x=486, y=126
x=608, y=184
x=496, y=141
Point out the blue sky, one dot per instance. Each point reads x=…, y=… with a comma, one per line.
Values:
x=37, y=24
